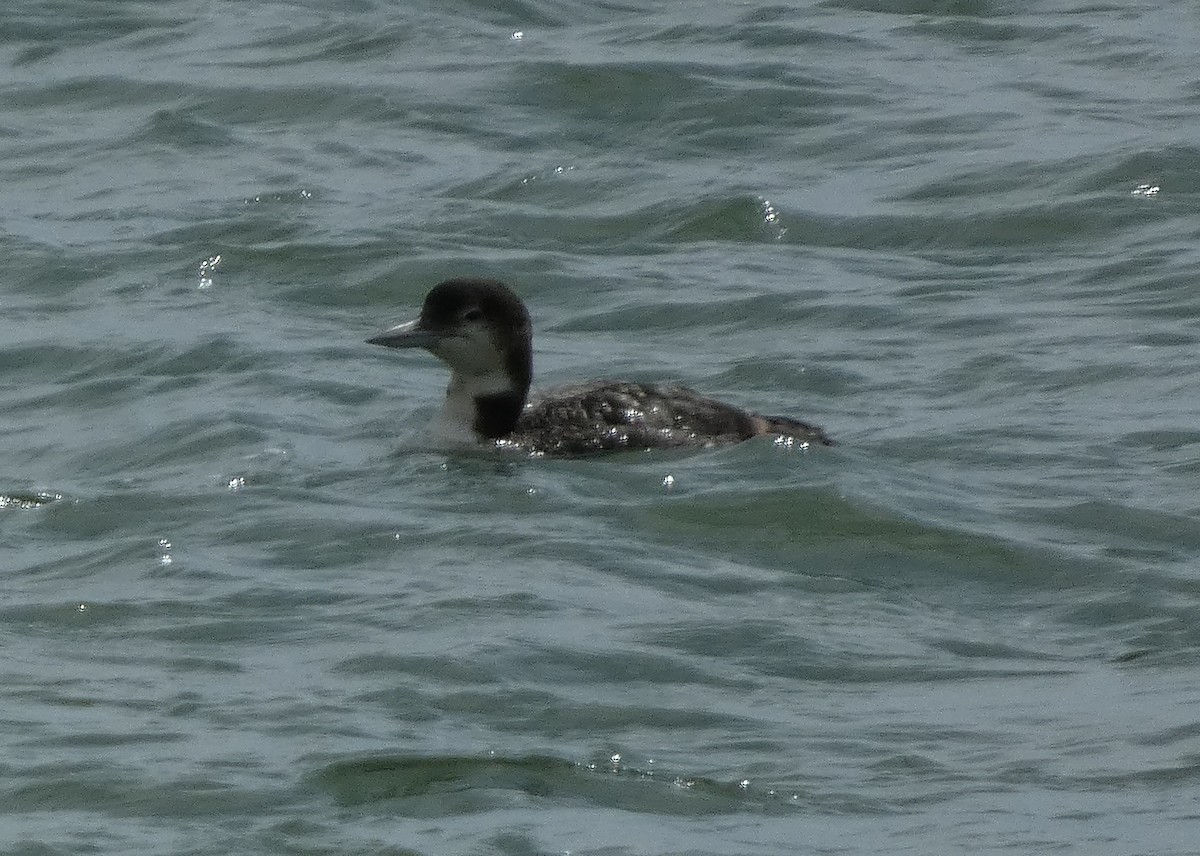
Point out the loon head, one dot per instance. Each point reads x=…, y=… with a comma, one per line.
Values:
x=481, y=329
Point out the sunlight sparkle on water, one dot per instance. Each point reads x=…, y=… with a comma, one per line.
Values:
x=208, y=269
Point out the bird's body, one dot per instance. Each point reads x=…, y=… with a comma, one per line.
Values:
x=481, y=329
x=602, y=416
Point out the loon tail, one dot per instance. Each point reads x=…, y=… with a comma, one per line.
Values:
x=802, y=431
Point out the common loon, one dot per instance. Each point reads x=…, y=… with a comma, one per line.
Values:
x=481, y=329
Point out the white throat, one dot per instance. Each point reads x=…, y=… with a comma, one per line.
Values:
x=456, y=420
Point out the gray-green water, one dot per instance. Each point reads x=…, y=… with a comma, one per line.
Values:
x=248, y=608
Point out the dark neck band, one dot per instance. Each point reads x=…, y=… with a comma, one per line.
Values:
x=496, y=415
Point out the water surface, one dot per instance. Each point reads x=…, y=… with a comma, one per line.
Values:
x=249, y=605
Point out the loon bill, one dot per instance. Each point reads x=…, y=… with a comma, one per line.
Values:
x=481, y=329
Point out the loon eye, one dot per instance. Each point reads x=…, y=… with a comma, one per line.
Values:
x=473, y=314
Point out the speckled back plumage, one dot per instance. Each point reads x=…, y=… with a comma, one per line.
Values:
x=602, y=416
